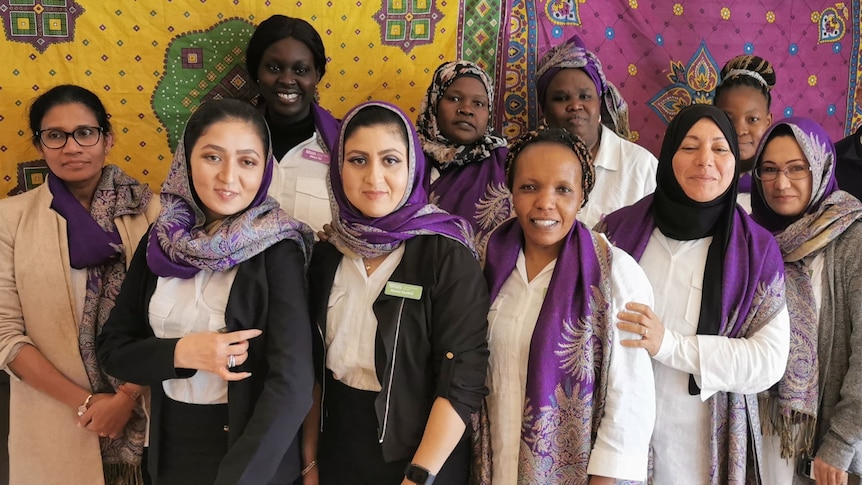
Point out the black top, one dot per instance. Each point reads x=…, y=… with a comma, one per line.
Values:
x=266, y=410
x=848, y=169
x=438, y=342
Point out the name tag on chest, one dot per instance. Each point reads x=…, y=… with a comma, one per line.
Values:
x=315, y=156
x=403, y=290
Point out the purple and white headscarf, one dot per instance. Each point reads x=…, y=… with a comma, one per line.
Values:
x=573, y=54
x=794, y=401
x=179, y=244
x=357, y=235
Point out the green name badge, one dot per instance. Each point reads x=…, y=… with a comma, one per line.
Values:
x=403, y=290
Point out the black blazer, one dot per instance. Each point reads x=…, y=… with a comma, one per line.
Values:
x=441, y=347
x=266, y=410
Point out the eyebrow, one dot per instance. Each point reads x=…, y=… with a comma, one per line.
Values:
x=245, y=151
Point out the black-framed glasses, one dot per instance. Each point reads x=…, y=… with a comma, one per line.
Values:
x=85, y=136
x=793, y=172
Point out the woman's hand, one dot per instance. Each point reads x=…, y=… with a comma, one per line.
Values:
x=215, y=352
x=640, y=319
x=826, y=474
x=107, y=414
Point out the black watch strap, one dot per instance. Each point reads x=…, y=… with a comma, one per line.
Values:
x=419, y=475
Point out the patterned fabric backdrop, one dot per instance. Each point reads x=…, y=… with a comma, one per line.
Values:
x=153, y=62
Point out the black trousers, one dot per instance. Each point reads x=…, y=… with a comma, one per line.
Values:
x=193, y=442
x=349, y=452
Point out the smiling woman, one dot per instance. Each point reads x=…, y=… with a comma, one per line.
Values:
x=546, y=272
x=287, y=59
x=714, y=343
x=230, y=372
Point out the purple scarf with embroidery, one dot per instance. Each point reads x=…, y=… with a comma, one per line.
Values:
x=356, y=235
x=792, y=404
x=472, y=182
x=743, y=292
x=327, y=127
x=569, y=353
x=94, y=244
x=179, y=244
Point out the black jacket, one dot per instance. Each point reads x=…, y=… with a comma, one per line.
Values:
x=441, y=348
x=266, y=410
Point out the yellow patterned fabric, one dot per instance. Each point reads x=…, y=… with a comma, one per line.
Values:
x=153, y=62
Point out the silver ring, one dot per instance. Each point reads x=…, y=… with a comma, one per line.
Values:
x=231, y=361
x=646, y=331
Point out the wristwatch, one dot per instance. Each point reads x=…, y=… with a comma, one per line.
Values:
x=418, y=475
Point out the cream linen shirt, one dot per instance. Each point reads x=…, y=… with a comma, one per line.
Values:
x=742, y=365
x=621, y=447
x=180, y=307
x=351, y=326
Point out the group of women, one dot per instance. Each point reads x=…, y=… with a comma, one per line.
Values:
x=457, y=320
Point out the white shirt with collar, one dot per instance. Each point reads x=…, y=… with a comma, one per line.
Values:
x=299, y=183
x=621, y=447
x=741, y=365
x=351, y=326
x=625, y=173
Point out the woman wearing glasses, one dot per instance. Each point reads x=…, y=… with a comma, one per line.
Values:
x=64, y=250
x=812, y=419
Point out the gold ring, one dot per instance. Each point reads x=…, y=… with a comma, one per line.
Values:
x=646, y=331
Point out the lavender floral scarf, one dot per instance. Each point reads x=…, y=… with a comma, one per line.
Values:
x=792, y=404
x=356, y=235
x=180, y=246
x=95, y=245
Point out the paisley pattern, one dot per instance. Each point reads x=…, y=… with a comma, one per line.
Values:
x=793, y=404
x=180, y=244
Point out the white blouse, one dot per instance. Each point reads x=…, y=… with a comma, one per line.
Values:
x=741, y=365
x=621, y=447
x=299, y=184
x=180, y=307
x=351, y=326
x=625, y=173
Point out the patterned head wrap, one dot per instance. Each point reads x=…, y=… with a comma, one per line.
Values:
x=793, y=403
x=747, y=70
x=573, y=54
x=440, y=151
x=179, y=244
x=357, y=235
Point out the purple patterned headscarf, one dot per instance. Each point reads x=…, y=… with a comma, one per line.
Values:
x=357, y=235
x=179, y=245
x=472, y=182
x=748, y=279
x=794, y=401
x=573, y=54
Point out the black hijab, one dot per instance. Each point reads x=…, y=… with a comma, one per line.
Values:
x=679, y=217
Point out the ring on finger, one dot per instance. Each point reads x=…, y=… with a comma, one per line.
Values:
x=646, y=332
x=231, y=361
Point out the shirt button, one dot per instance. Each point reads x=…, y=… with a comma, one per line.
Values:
x=450, y=355
x=226, y=428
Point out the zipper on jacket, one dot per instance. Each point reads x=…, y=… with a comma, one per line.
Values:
x=391, y=372
x=323, y=375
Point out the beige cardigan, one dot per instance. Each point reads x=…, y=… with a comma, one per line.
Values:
x=36, y=307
